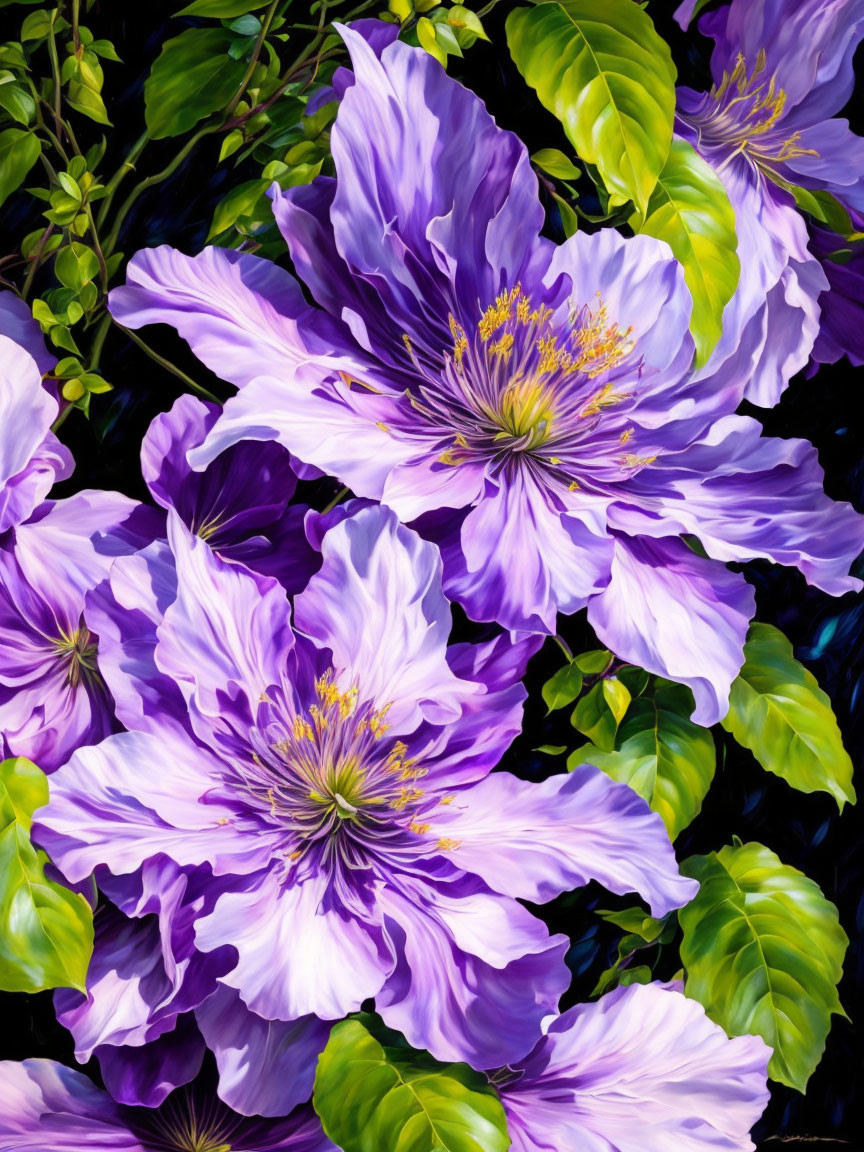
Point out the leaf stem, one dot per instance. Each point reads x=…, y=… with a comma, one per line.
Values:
x=253, y=62
x=168, y=366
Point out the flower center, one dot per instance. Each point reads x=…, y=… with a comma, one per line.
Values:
x=77, y=651
x=184, y=1125
x=523, y=388
x=743, y=111
x=333, y=780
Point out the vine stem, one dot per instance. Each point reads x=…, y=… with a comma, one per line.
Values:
x=35, y=261
x=564, y=646
x=253, y=62
x=168, y=366
x=125, y=168
x=340, y=495
x=150, y=182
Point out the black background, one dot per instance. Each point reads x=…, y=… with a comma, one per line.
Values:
x=805, y=831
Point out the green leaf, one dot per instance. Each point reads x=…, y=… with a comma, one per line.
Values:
x=75, y=266
x=594, y=662
x=106, y=50
x=661, y=754
x=243, y=200
x=602, y=69
x=598, y=714
x=763, y=950
x=690, y=210
x=19, y=151
x=635, y=921
x=221, y=9
x=553, y=161
x=89, y=103
x=428, y=40
x=779, y=712
x=562, y=688
x=36, y=26
x=461, y=17
x=192, y=77
x=372, y=1098
x=46, y=931
x=17, y=101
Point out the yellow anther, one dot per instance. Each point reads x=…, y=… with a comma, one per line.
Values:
x=448, y=799
x=420, y=829
x=222, y=821
x=573, y=486
x=503, y=346
x=302, y=729
x=631, y=461
x=607, y=397
x=626, y=435
x=447, y=845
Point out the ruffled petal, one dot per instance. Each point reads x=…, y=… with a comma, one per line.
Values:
x=377, y=605
x=331, y=961
x=241, y=315
x=426, y=245
x=677, y=615
x=476, y=973
x=536, y=840
x=17, y=322
x=115, y=805
x=266, y=1067
x=147, y=1075
x=746, y=495
x=225, y=640
x=44, y=1105
x=641, y=1070
x=521, y=556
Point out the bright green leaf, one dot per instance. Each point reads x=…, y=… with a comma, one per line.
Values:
x=192, y=77
x=661, y=754
x=89, y=103
x=690, y=210
x=75, y=265
x=46, y=931
x=371, y=1098
x=461, y=17
x=594, y=662
x=779, y=712
x=428, y=41
x=19, y=151
x=17, y=102
x=36, y=26
x=602, y=69
x=553, y=161
x=243, y=200
x=598, y=714
x=763, y=951
x=563, y=688
x=106, y=50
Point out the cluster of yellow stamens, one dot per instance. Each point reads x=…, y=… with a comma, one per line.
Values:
x=743, y=110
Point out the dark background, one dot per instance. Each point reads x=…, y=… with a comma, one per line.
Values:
x=805, y=831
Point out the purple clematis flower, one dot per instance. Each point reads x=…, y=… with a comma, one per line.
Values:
x=239, y=504
x=530, y=408
x=47, y=1107
x=841, y=330
x=641, y=1070
x=782, y=71
x=51, y=553
x=330, y=802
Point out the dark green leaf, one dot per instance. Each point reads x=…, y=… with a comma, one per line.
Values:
x=600, y=711
x=661, y=754
x=779, y=712
x=46, y=931
x=563, y=688
x=373, y=1098
x=602, y=69
x=690, y=210
x=19, y=151
x=192, y=77
x=763, y=950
